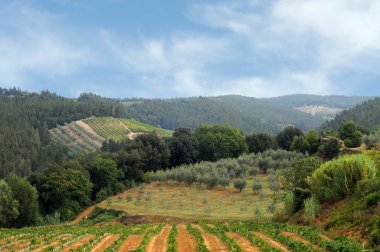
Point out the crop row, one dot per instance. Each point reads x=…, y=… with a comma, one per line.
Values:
x=256, y=233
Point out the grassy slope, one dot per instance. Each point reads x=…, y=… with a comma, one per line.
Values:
x=193, y=201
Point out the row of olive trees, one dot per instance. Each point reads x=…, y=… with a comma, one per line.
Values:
x=225, y=171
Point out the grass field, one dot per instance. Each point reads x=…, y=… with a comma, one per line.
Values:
x=194, y=201
x=182, y=237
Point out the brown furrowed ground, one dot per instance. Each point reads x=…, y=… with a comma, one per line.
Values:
x=271, y=242
x=212, y=242
x=83, y=241
x=131, y=243
x=185, y=241
x=159, y=243
x=243, y=243
x=107, y=241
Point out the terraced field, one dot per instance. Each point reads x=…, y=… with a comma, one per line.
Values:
x=89, y=134
x=186, y=237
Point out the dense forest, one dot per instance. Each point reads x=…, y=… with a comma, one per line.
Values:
x=249, y=114
x=365, y=115
x=25, y=119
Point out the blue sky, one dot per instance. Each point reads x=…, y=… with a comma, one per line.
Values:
x=171, y=48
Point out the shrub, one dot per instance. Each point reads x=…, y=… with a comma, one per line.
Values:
x=257, y=185
x=240, y=184
x=311, y=208
x=372, y=199
x=338, y=178
x=289, y=202
x=253, y=171
x=329, y=148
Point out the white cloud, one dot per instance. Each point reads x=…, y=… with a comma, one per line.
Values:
x=33, y=45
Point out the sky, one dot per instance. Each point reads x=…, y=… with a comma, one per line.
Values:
x=182, y=48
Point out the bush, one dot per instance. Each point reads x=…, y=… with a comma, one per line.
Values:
x=257, y=185
x=289, y=202
x=311, y=208
x=329, y=148
x=338, y=178
x=253, y=171
x=240, y=184
x=372, y=199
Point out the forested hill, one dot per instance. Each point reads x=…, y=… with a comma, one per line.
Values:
x=248, y=114
x=25, y=119
x=332, y=101
x=365, y=115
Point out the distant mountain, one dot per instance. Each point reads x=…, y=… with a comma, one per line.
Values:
x=331, y=101
x=249, y=114
x=365, y=115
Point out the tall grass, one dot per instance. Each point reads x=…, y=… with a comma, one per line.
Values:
x=338, y=178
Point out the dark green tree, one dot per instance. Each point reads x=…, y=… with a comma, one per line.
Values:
x=182, y=147
x=27, y=197
x=106, y=177
x=296, y=179
x=286, y=136
x=260, y=142
x=329, y=148
x=350, y=134
x=219, y=141
x=8, y=207
x=64, y=191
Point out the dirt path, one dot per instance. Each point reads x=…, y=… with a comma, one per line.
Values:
x=298, y=238
x=107, y=241
x=159, y=243
x=211, y=241
x=185, y=241
x=243, y=243
x=270, y=241
x=79, y=243
x=83, y=215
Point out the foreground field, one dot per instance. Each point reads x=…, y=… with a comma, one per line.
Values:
x=186, y=237
x=194, y=201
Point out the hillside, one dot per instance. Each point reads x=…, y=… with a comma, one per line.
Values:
x=365, y=115
x=249, y=114
x=89, y=134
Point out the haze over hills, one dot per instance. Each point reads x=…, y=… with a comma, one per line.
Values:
x=247, y=113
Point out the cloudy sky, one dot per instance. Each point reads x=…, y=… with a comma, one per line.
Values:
x=172, y=48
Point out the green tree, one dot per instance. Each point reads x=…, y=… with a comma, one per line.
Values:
x=64, y=191
x=351, y=136
x=260, y=142
x=286, y=136
x=8, y=207
x=27, y=197
x=240, y=184
x=329, y=148
x=182, y=147
x=296, y=179
x=106, y=176
x=219, y=141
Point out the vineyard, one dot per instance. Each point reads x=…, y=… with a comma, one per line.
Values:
x=89, y=134
x=186, y=237
x=119, y=129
